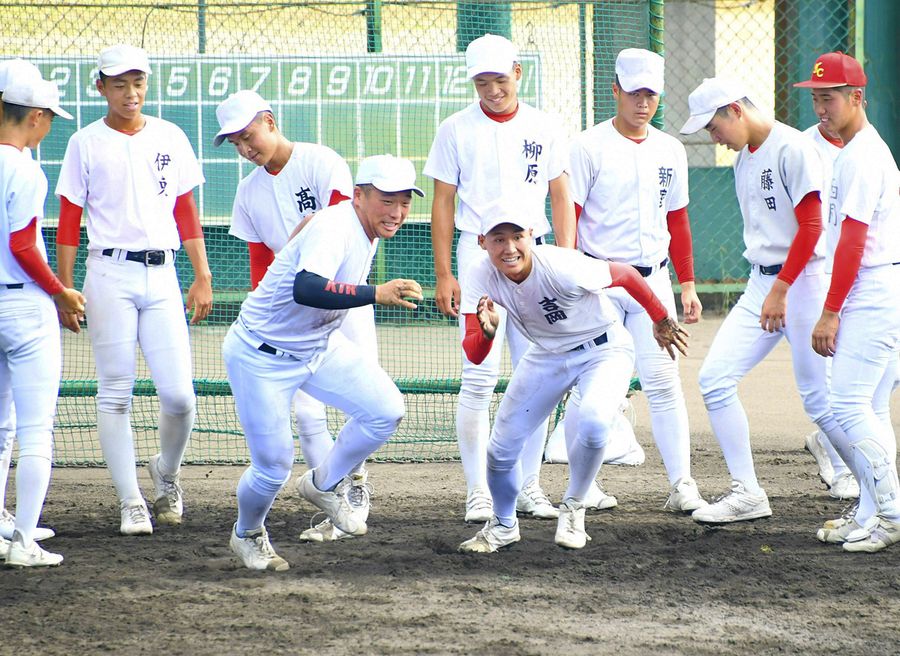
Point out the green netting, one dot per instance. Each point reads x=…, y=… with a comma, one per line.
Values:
x=373, y=77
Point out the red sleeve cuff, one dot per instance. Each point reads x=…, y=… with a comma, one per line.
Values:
x=847, y=258
x=681, y=248
x=69, y=231
x=809, y=220
x=475, y=344
x=187, y=218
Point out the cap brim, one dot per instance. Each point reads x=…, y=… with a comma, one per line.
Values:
x=112, y=71
x=500, y=223
x=59, y=111
x=222, y=134
x=697, y=123
x=639, y=84
x=397, y=191
x=809, y=84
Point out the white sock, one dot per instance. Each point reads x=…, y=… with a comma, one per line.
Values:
x=351, y=448
x=315, y=446
x=533, y=454
x=5, y=458
x=729, y=423
x=253, y=506
x=117, y=444
x=584, y=465
x=32, y=480
x=473, y=431
x=174, y=435
x=673, y=439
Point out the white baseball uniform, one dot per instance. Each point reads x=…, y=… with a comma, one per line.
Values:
x=267, y=208
x=128, y=185
x=626, y=190
x=575, y=338
x=30, y=350
x=277, y=346
x=486, y=160
x=865, y=187
x=770, y=182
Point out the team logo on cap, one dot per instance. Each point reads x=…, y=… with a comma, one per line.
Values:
x=818, y=70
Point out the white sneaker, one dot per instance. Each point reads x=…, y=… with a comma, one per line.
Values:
x=324, y=531
x=844, y=486
x=135, y=518
x=479, y=506
x=881, y=536
x=532, y=501
x=334, y=503
x=20, y=555
x=4, y=547
x=736, y=506
x=256, y=552
x=597, y=498
x=8, y=526
x=815, y=445
x=570, y=532
x=684, y=496
x=168, y=507
x=848, y=513
x=847, y=530
x=359, y=494
x=492, y=537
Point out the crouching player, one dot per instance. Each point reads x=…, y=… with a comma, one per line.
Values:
x=555, y=297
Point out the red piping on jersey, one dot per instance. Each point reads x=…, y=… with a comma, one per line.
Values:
x=834, y=141
x=681, y=249
x=847, y=258
x=475, y=344
x=261, y=257
x=69, y=231
x=809, y=221
x=187, y=218
x=500, y=118
x=23, y=246
x=627, y=277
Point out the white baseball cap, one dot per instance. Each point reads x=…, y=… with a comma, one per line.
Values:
x=712, y=94
x=388, y=174
x=503, y=211
x=637, y=68
x=13, y=68
x=237, y=111
x=122, y=58
x=490, y=54
x=33, y=91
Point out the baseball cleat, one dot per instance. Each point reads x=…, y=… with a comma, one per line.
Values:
x=168, y=508
x=816, y=447
x=256, y=552
x=334, y=503
x=570, y=532
x=841, y=531
x=844, y=486
x=848, y=514
x=21, y=555
x=881, y=536
x=479, y=506
x=8, y=526
x=324, y=531
x=4, y=547
x=684, y=497
x=597, y=498
x=135, y=518
x=492, y=537
x=736, y=506
x=532, y=501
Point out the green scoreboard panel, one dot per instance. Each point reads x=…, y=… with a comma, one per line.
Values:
x=360, y=106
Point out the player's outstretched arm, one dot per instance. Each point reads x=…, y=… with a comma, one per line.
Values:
x=447, y=293
x=395, y=292
x=200, y=294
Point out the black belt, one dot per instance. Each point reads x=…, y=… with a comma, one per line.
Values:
x=538, y=241
x=773, y=270
x=16, y=285
x=147, y=258
x=265, y=348
x=597, y=341
x=644, y=271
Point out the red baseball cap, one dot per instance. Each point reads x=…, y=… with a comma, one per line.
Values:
x=835, y=69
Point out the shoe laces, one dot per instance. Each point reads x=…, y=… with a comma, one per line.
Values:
x=136, y=513
x=534, y=492
x=172, y=490
x=358, y=495
x=849, y=511
x=263, y=546
x=478, y=499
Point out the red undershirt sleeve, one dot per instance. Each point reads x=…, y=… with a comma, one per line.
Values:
x=69, y=231
x=809, y=220
x=187, y=218
x=23, y=246
x=261, y=257
x=336, y=197
x=681, y=249
x=475, y=344
x=847, y=258
x=578, y=210
x=627, y=277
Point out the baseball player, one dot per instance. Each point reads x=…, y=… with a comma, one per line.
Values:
x=778, y=180
x=555, y=296
x=135, y=175
x=496, y=147
x=30, y=295
x=8, y=70
x=859, y=325
x=630, y=185
x=285, y=338
x=293, y=181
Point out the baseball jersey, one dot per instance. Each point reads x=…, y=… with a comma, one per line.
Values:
x=866, y=187
x=268, y=207
x=626, y=190
x=333, y=245
x=23, y=189
x=560, y=305
x=128, y=183
x=487, y=160
x=827, y=154
x=770, y=182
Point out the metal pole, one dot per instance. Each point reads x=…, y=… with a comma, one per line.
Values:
x=201, y=26
x=373, y=25
x=859, y=32
x=582, y=61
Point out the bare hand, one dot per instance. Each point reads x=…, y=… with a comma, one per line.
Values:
x=200, y=298
x=70, y=308
x=668, y=333
x=824, y=335
x=395, y=291
x=488, y=317
x=447, y=295
x=774, y=309
x=690, y=303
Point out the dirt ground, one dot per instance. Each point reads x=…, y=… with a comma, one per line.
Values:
x=650, y=582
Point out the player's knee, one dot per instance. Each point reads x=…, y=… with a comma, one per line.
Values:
x=848, y=412
x=390, y=413
x=114, y=394
x=662, y=397
x=593, y=428
x=502, y=456
x=716, y=391
x=177, y=402
x=268, y=480
x=476, y=388
x=38, y=444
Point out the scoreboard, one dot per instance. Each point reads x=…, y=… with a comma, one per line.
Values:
x=360, y=106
